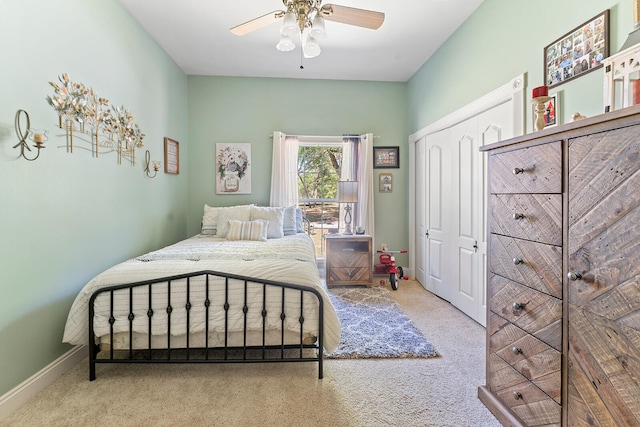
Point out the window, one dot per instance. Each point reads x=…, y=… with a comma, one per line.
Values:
x=319, y=166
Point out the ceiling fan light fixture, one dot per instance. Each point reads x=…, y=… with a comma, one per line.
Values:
x=305, y=20
x=317, y=28
x=289, y=25
x=311, y=48
x=285, y=44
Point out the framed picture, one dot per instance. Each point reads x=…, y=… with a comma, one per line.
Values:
x=386, y=182
x=171, y=156
x=578, y=52
x=233, y=168
x=552, y=111
x=386, y=157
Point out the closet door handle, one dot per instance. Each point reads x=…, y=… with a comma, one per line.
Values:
x=518, y=261
x=517, y=171
x=518, y=216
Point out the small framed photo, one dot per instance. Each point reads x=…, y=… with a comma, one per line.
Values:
x=386, y=182
x=578, y=52
x=552, y=111
x=171, y=156
x=386, y=157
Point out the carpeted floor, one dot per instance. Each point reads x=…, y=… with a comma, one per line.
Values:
x=438, y=391
x=374, y=326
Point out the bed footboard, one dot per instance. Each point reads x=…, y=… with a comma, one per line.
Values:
x=206, y=317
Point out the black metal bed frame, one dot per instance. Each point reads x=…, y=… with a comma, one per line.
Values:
x=226, y=354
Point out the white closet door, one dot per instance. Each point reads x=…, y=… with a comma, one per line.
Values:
x=438, y=221
x=454, y=202
x=465, y=199
x=421, y=214
x=451, y=196
x=495, y=125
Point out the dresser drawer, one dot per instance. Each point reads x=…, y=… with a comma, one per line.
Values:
x=527, y=170
x=536, y=265
x=533, y=359
x=540, y=314
x=527, y=401
x=536, y=217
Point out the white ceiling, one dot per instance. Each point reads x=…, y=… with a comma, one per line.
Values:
x=195, y=33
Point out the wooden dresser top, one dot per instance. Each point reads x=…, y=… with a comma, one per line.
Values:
x=625, y=117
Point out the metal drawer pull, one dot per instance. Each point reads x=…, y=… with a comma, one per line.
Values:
x=574, y=276
x=517, y=171
x=518, y=216
x=517, y=395
x=518, y=306
x=517, y=261
x=516, y=350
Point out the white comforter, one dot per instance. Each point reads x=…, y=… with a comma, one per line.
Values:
x=289, y=259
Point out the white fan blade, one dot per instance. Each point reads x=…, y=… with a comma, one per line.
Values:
x=256, y=24
x=352, y=16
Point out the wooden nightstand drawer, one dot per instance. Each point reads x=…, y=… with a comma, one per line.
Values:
x=536, y=217
x=346, y=258
x=534, y=169
x=348, y=274
x=539, y=315
x=536, y=265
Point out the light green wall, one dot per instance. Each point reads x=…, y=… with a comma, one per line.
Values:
x=66, y=217
x=502, y=40
x=235, y=109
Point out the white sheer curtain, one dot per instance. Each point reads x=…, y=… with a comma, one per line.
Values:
x=357, y=165
x=284, y=170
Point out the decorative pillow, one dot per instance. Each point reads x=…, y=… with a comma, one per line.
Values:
x=240, y=213
x=275, y=216
x=248, y=230
x=299, y=216
x=289, y=224
x=209, y=220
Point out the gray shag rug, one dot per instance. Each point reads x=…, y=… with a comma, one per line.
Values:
x=374, y=326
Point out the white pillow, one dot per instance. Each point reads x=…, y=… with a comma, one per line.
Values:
x=209, y=220
x=239, y=213
x=289, y=224
x=275, y=216
x=248, y=230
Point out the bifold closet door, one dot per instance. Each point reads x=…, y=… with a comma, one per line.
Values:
x=421, y=216
x=467, y=218
x=451, y=200
x=438, y=208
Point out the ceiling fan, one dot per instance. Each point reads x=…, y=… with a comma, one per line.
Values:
x=305, y=18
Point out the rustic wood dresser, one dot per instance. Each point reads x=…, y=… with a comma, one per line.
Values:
x=563, y=317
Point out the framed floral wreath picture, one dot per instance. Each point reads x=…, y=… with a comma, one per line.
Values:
x=233, y=168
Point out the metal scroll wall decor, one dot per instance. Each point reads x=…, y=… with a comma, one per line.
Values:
x=89, y=120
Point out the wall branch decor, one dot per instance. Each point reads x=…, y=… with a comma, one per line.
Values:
x=89, y=120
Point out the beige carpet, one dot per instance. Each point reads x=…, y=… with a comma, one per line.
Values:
x=381, y=392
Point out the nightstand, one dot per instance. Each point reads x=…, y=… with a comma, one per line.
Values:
x=348, y=260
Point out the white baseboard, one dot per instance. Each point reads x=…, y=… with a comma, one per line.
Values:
x=19, y=395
